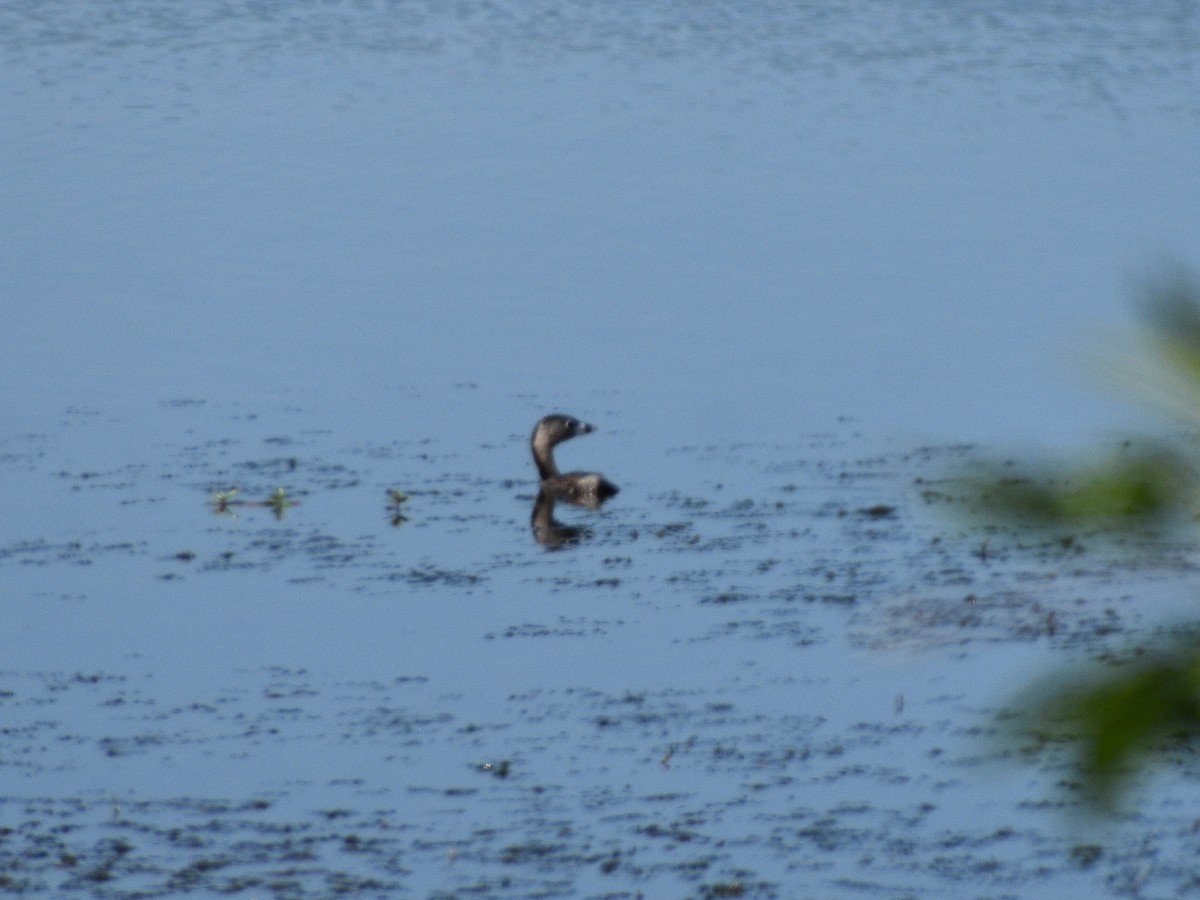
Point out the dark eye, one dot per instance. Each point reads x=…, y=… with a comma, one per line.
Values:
x=572, y=424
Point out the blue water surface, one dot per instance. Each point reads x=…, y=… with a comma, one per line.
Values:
x=789, y=258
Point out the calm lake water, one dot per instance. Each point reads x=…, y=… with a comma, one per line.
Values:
x=790, y=259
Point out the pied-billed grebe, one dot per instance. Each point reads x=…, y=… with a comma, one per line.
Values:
x=588, y=489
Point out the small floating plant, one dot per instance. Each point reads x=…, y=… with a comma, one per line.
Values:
x=396, y=499
x=222, y=500
x=279, y=501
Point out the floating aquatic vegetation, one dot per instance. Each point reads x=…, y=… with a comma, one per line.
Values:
x=396, y=500
x=278, y=502
x=222, y=501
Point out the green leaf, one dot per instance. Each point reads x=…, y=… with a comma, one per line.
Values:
x=1117, y=719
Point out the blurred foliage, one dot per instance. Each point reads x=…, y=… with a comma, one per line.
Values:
x=1144, y=486
x=1118, y=719
x=1172, y=305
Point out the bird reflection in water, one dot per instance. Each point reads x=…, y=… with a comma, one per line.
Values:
x=547, y=530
